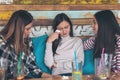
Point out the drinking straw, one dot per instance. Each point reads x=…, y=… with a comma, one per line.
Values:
x=100, y=63
x=75, y=60
x=19, y=63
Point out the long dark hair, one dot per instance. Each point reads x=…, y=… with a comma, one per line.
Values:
x=14, y=30
x=108, y=28
x=57, y=20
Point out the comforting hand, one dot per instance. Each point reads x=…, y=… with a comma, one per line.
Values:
x=52, y=37
x=46, y=75
x=54, y=65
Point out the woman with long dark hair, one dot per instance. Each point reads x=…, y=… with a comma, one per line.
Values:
x=61, y=46
x=15, y=41
x=107, y=36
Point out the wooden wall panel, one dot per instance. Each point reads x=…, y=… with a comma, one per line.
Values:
x=48, y=22
x=61, y=7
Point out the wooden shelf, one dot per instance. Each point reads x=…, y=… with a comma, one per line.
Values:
x=61, y=7
x=48, y=22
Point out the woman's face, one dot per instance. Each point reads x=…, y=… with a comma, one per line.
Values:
x=95, y=25
x=27, y=30
x=64, y=28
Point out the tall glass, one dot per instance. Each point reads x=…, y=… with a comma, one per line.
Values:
x=76, y=70
x=19, y=72
x=103, y=66
x=3, y=68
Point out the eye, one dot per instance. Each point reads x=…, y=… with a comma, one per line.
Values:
x=94, y=21
x=28, y=28
x=66, y=27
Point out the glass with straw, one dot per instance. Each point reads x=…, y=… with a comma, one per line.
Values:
x=103, y=66
x=76, y=69
x=19, y=69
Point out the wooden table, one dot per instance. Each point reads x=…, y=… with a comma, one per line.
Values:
x=85, y=77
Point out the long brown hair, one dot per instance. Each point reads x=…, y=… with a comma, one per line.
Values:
x=14, y=30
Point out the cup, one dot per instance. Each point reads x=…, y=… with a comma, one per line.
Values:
x=3, y=68
x=76, y=70
x=19, y=72
x=103, y=66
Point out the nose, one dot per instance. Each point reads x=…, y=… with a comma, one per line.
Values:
x=64, y=30
x=92, y=25
x=30, y=30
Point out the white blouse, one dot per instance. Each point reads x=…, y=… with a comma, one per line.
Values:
x=65, y=54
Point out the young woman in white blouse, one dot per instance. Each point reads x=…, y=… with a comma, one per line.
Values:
x=61, y=46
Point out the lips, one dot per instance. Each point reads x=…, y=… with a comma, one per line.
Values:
x=65, y=34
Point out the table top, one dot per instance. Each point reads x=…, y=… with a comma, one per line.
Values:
x=85, y=77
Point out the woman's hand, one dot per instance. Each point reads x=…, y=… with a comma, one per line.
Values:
x=54, y=65
x=53, y=36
